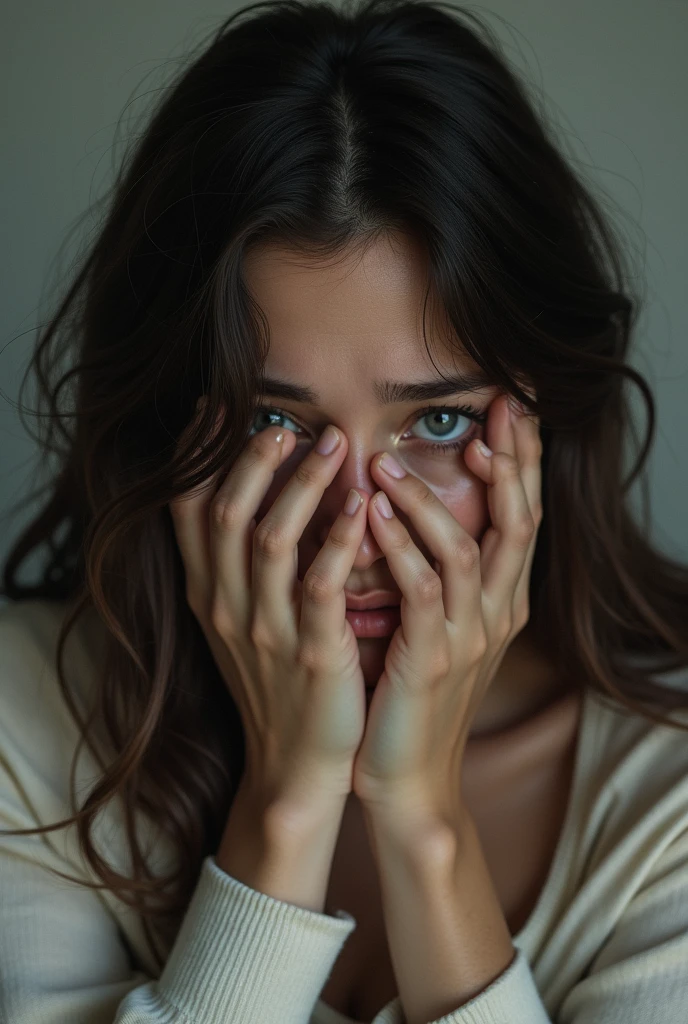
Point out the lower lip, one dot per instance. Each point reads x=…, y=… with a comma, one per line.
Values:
x=374, y=622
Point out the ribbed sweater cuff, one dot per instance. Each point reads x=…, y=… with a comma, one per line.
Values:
x=241, y=955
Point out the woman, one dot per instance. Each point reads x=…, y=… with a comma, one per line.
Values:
x=236, y=791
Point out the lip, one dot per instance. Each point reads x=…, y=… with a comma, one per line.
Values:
x=374, y=599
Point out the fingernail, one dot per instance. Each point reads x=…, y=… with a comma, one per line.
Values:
x=484, y=449
x=328, y=441
x=383, y=506
x=353, y=502
x=391, y=466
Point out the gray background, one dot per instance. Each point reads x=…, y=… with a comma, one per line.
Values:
x=612, y=73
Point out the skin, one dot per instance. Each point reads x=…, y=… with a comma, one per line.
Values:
x=337, y=326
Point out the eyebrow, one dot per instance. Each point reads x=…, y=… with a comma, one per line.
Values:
x=387, y=392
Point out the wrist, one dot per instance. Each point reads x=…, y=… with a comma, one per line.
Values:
x=285, y=853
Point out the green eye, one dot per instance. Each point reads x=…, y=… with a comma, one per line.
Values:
x=442, y=425
x=444, y=420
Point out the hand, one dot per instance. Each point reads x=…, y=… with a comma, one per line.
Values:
x=457, y=619
x=284, y=647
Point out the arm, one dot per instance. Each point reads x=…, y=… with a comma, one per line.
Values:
x=241, y=956
x=447, y=943
x=287, y=857
x=446, y=931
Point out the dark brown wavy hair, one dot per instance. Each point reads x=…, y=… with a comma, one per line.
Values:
x=322, y=128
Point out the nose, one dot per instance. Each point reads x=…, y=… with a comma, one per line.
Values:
x=353, y=472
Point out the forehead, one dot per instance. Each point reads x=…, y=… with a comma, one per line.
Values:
x=355, y=316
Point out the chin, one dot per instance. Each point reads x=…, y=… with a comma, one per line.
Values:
x=372, y=651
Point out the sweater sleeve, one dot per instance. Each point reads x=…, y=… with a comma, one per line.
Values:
x=240, y=957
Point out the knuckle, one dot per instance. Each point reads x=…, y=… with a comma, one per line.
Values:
x=507, y=464
x=465, y=553
x=402, y=543
x=462, y=548
x=225, y=514
x=269, y=539
x=428, y=587
x=220, y=620
x=317, y=588
x=259, y=634
x=523, y=531
x=338, y=540
x=422, y=493
x=306, y=473
x=479, y=647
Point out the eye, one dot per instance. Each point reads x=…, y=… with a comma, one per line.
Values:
x=446, y=426
x=266, y=417
x=442, y=434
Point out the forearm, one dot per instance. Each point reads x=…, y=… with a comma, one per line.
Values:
x=447, y=935
x=287, y=858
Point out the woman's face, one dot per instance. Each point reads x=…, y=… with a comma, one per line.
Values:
x=342, y=330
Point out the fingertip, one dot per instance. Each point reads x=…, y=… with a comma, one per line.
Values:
x=354, y=501
x=288, y=443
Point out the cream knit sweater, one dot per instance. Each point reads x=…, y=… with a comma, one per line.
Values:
x=607, y=942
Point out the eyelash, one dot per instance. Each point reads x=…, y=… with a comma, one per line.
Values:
x=434, y=446
x=464, y=410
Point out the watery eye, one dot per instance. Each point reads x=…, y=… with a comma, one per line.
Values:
x=442, y=425
x=267, y=417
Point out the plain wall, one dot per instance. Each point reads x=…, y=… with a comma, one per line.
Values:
x=613, y=74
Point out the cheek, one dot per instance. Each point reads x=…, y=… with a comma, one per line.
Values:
x=459, y=490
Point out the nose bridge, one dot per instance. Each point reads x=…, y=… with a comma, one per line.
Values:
x=355, y=468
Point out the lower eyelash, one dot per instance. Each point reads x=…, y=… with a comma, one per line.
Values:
x=468, y=411
x=448, y=446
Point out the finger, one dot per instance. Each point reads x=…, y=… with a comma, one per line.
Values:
x=529, y=451
x=232, y=516
x=507, y=541
x=423, y=616
x=323, y=603
x=456, y=552
x=275, y=552
x=529, y=454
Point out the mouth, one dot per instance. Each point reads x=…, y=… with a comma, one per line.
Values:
x=374, y=622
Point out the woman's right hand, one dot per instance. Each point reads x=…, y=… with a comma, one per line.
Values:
x=284, y=647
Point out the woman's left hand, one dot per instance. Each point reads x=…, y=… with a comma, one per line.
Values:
x=457, y=620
